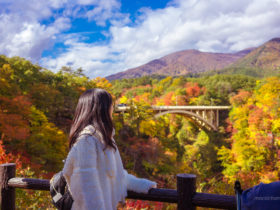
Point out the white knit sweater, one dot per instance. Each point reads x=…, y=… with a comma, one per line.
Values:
x=96, y=177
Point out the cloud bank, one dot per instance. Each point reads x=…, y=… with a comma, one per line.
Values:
x=206, y=25
x=27, y=28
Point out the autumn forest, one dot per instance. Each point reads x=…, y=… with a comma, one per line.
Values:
x=37, y=106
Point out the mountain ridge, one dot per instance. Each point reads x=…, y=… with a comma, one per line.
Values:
x=194, y=61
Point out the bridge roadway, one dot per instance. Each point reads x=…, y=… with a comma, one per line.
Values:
x=206, y=116
x=165, y=108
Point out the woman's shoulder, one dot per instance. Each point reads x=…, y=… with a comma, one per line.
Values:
x=85, y=147
x=85, y=140
x=86, y=136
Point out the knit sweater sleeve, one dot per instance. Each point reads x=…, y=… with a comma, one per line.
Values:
x=139, y=185
x=85, y=181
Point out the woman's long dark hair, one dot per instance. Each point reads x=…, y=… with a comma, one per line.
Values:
x=93, y=108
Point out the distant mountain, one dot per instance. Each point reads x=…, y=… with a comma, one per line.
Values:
x=182, y=63
x=267, y=56
x=259, y=61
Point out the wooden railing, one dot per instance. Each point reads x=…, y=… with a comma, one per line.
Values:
x=185, y=196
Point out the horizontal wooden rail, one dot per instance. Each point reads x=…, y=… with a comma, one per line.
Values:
x=214, y=201
x=162, y=195
x=185, y=195
x=27, y=183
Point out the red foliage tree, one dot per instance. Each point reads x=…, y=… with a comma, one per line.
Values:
x=193, y=89
x=14, y=117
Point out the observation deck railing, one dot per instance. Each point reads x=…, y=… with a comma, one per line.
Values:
x=185, y=196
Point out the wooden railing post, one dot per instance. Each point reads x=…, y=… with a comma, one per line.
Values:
x=186, y=188
x=7, y=195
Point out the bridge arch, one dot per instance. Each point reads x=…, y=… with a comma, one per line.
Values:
x=191, y=115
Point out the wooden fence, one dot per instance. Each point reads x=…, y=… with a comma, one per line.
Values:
x=185, y=196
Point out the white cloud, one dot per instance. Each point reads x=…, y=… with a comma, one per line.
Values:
x=28, y=38
x=23, y=32
x=103, y=11
x=95, y=60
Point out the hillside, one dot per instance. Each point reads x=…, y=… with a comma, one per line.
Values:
x=267, y=56
x=263, y=61
x=182, y=63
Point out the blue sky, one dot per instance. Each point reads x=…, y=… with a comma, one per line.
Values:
x=104, y=37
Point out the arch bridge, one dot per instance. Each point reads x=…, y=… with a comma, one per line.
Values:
x=205, y=116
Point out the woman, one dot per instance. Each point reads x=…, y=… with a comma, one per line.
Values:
x=93, y=168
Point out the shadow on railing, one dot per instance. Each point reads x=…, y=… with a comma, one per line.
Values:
x=185, y=196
